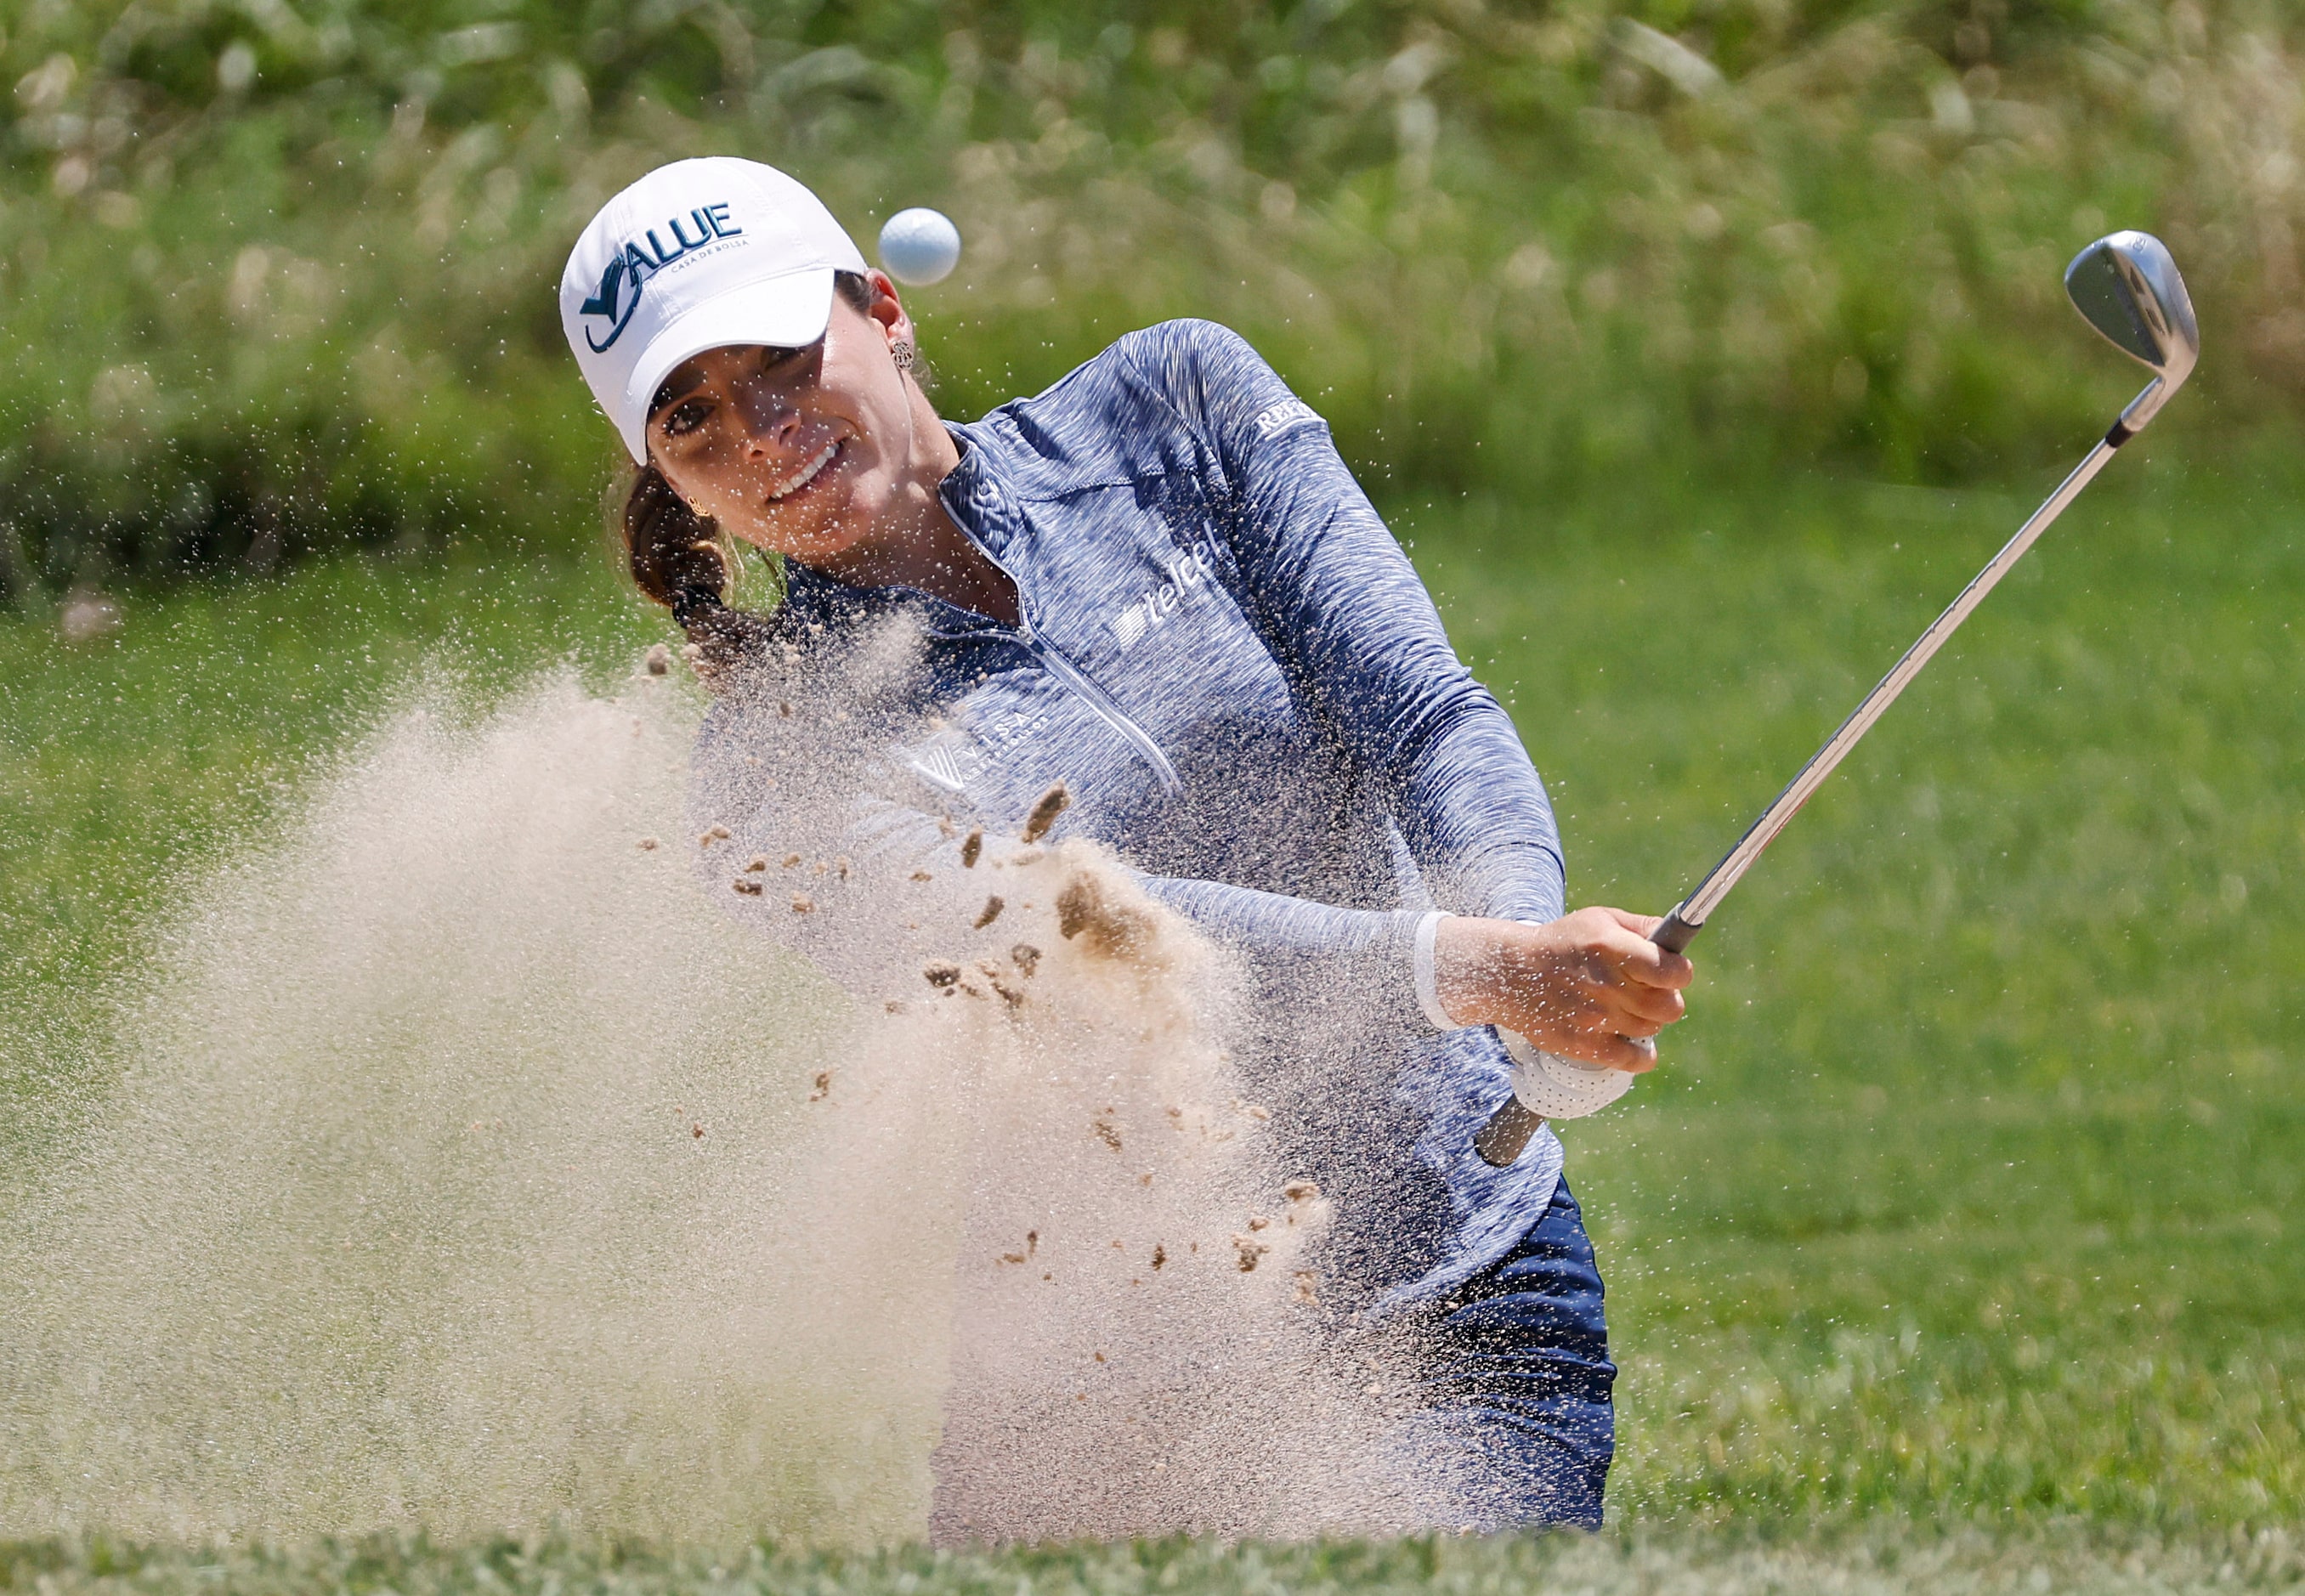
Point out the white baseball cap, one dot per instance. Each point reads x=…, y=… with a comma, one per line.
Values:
x=695, y=256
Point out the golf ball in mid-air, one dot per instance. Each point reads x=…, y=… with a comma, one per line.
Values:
x=920, y=246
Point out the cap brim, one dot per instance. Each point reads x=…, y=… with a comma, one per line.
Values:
x=787, y=312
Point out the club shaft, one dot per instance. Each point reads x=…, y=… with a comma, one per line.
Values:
x=1508, y=1130
x=1699, y=904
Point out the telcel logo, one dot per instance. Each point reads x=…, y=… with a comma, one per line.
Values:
x=611, y=302
x=1187, y=571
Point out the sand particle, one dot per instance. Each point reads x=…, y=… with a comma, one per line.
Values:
x=992, y=974
x=1113, y=930
x=972, y=849
x=657, y=660
x=803, y=904
x=713, y=833
x=1027, y=956
x=1052, y=803
x=823, y=1087
x=648, y=845
x=756, y=864
x=991, y=911
x=747, y=887
x=940, y=972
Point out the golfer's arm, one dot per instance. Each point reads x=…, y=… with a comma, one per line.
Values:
x=1341, y=606
x=903, y=883
x=1296, y=949
x=1301, y=951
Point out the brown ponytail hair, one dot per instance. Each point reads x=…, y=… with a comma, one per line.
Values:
x=683, y=562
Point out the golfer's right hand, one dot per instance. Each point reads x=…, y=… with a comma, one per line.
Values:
x=1589, y=986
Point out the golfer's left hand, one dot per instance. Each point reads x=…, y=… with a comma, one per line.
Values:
x=1589, y=986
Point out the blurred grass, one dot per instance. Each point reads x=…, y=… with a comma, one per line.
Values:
x=1892, y=1559
x=277, y=278
x=1967, y=1196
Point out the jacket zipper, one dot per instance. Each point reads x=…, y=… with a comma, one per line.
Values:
x=1113, y=715
x=1071, y=676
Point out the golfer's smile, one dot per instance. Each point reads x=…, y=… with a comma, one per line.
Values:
x=812, y=472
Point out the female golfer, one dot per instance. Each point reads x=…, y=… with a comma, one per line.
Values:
x=1158, y=583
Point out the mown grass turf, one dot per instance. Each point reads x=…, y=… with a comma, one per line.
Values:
x=1970, y=1189
x=1967, y=1194
x=1888, y=1558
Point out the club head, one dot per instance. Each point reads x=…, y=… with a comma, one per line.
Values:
x=2127, y=287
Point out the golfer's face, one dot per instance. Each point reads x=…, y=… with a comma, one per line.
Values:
x=793, y=449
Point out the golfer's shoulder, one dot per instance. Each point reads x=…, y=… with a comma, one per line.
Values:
x=1193, y=384
x=1154, y=403
x=1199, y=367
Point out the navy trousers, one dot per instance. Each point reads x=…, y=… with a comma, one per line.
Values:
x=1517, y=1382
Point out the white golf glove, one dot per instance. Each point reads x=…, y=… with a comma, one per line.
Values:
x=1560, y=1088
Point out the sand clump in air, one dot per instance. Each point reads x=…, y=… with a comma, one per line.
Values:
x=458, y=1162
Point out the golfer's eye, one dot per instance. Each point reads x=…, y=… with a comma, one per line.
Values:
x=683, y=418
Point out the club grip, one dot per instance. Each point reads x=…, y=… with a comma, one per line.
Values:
x=1506, y=1134
x=1675, y=934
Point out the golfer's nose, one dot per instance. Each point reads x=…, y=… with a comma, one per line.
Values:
x=771, y=420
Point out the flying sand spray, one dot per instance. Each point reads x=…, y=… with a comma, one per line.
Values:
x=455, y=1160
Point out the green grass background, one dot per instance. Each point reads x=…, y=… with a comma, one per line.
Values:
x=1966, y=1200
x=1954, y=1247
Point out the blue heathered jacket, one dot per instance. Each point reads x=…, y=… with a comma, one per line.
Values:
x=1228, y=657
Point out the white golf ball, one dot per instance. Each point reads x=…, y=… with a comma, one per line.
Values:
x=920, y=246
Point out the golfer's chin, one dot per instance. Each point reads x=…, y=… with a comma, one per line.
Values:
x=819, y=536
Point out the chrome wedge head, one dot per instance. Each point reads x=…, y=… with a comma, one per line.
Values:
x=2126, y=286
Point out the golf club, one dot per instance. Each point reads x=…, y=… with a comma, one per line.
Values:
x=2127, y=287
